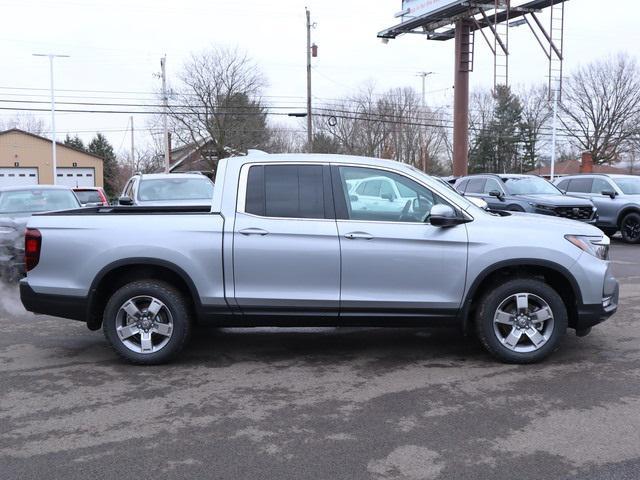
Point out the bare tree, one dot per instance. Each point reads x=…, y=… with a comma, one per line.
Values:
x=601, y=102
x=392, y=125
x=217, y=100
x=25, y=122
x=535, y=116
x=283, y=139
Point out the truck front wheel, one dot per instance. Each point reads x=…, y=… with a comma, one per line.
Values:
x=147, y=322
x=521, y=321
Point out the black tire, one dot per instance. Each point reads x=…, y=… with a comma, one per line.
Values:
x=630, y=228
x=174, y=303
x=515, y=208
x=494, y=298
x=609, y=231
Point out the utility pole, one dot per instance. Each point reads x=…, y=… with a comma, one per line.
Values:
x=424, y=76
x=464, y=61
x=309, y=118
x=133, y=151
x=165, y=103
x=554, y=134
x=54, y=159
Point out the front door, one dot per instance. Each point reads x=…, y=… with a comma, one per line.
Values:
x=393, y=261
x=286, y=253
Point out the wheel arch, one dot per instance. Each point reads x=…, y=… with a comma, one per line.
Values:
x=626, y=211
x=121, y=272
x=557, y=276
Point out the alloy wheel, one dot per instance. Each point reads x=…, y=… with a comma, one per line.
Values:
x=523, y=322
x=631, y=229
x=144, y=324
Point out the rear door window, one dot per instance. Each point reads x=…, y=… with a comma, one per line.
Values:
x=287, y=191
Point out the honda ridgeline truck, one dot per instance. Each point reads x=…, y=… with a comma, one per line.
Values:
x=289, y=242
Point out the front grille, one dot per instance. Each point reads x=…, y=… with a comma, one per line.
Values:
x=575, y=213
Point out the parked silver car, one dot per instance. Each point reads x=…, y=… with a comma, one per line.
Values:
x=287, y=243
x=17, y=204
x=617, y=198
x=167, y=189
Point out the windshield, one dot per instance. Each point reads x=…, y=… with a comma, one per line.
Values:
x=629, y=186
x=32, y=201
x=530, y=186
x=165, y=189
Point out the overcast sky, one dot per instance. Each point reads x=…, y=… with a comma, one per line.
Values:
x=115, y=47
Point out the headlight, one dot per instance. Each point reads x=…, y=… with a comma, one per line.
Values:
x=596, y=246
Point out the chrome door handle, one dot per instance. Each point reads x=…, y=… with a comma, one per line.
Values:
x=253, y=231
x=359, y=236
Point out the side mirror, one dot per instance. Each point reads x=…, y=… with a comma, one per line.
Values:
x=353, y=198
x=496, y=193
x=610, y=193
x=444, y=216
x=388, y=196
x=124, y=200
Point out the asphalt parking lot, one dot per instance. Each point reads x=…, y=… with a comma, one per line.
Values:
x=326, y=404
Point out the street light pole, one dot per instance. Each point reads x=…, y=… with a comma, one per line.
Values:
x=54, y=160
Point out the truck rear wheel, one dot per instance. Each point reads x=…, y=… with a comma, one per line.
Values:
x=147, y=322
x=521, y=321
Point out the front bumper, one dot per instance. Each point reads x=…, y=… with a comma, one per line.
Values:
x=591, y=315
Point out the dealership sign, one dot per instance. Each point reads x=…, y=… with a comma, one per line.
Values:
x=417, y=8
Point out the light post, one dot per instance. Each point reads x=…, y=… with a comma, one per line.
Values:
x=54, y=160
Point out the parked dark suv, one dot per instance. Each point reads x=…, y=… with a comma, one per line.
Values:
x=526, y=193
x=617, y=198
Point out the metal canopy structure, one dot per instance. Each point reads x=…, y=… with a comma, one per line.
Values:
x=460, y=20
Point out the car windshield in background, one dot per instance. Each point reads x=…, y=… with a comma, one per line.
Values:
x=88, y=196
x=629, y=186
x=167, y=189
x=32, y=201
x=530, y=186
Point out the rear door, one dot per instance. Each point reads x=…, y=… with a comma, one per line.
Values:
x=286, y=253
x=394, y=263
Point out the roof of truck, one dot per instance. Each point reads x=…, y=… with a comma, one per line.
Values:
x=319, y=158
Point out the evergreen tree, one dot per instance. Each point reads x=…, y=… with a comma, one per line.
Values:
x=75, y=142
x=506, y=130
x=101, y=147
x=496, y=147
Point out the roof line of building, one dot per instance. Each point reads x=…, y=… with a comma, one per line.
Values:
x=61, y=144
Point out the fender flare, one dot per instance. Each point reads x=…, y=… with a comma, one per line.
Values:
x=519, y=262
x=134, y=261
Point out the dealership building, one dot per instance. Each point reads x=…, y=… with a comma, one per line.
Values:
x=25, y=159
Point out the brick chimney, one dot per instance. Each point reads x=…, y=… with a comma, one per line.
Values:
x=587, y=163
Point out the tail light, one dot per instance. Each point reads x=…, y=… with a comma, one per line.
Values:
x=32, y=246
x=105, y=202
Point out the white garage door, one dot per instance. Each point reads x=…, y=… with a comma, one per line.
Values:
x=76, y=177
x=11, y=177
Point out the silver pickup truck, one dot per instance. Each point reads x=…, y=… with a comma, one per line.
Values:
x=289, y=241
